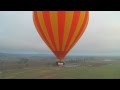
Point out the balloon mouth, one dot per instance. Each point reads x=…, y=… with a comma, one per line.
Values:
x=60, y=55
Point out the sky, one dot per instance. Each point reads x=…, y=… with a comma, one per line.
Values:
x=102, y=36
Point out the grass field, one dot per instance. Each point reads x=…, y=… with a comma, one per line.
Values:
x=37, y=68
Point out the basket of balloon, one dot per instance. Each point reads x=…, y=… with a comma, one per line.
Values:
x=60, y=63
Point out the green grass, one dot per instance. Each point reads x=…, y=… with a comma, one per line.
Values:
x=109, y=71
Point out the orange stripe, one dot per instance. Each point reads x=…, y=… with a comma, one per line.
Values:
x=84, y=25
x=68, y=22
x=61, y=23
x=39, y=30
x=44, y=29
x=76, y=17
x=46, y=16
x=54, y=24
x=79, y=25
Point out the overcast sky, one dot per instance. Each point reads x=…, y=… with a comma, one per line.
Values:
x=102, y=36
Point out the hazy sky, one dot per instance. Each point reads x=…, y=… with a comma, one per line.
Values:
x=102, y=36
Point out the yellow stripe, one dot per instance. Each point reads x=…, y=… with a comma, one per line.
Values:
x=80, y=22
x=83, y=28
x=40, y=33
x=54, y=24
x=68, y=22
x=38, y=28
x=44, y=29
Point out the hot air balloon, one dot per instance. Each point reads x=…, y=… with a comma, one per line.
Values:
x=60, y=30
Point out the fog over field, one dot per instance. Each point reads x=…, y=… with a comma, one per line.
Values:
x=36, y=66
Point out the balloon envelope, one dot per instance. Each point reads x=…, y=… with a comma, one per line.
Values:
x=60, y=30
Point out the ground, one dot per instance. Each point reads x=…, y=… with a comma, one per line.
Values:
x=43, y=68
